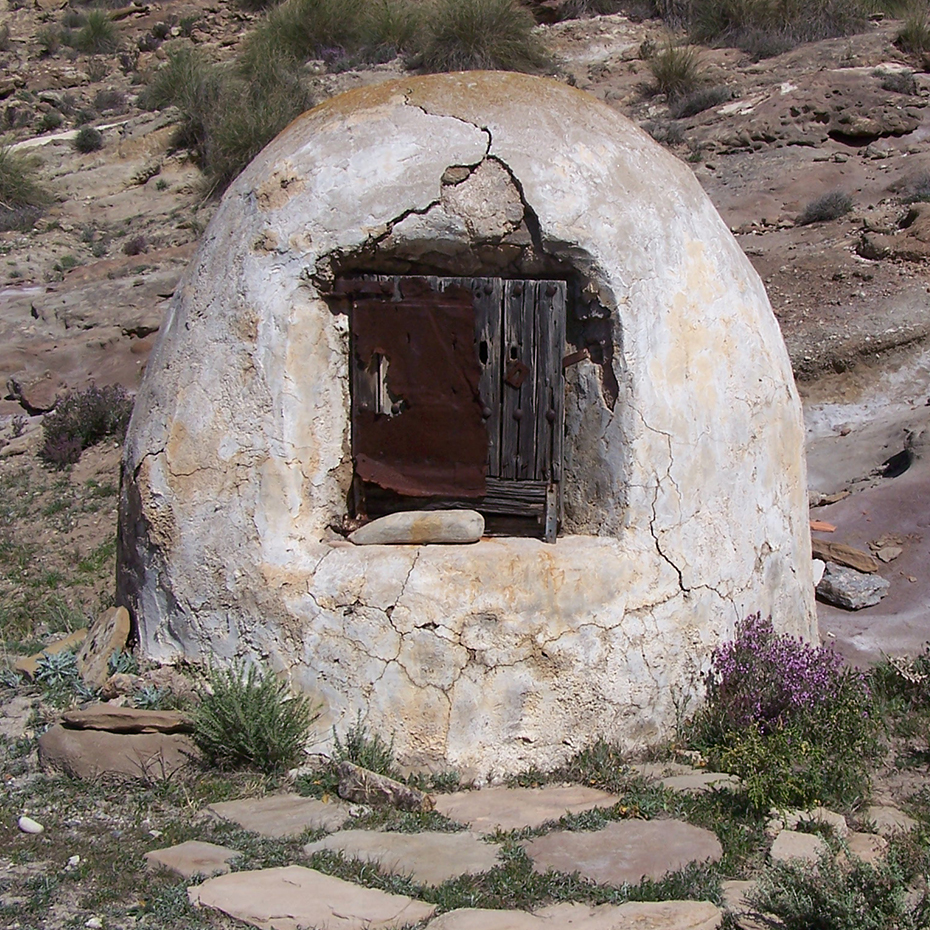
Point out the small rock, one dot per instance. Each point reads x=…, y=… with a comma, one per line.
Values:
x=120, y=684
x=28, y=825
x=92, y=753
x=106, y=635
x=735, y=895
x=192, y=858
x=625, y=851
x=93, y=923
x=845, y=587
x=841, y=554
x=281, y=815
x=365, y=787
x=419, y=527
x=294, y=896
x=817, y=569
x=889, y=553
x=428, y=858
x=501, y=808
x=73, y=863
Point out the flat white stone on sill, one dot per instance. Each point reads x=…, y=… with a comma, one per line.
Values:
x=420, y=527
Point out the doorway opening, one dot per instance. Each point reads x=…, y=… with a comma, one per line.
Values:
x=457, y=397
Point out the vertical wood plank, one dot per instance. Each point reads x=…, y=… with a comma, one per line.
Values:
x=559, y=308
x=543, y=465
x=488, y=322
x=526, y=425
x=511, y=399
x=550, y=337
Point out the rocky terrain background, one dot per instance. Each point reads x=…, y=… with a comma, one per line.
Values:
x=83, y=292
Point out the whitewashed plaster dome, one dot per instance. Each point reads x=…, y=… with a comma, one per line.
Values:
x=682, y=482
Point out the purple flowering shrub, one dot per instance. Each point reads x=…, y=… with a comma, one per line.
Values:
x=81, y=419
x=789, y=718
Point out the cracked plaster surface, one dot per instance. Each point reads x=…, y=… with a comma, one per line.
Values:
x=685, y=494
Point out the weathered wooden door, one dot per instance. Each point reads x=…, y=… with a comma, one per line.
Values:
x=457, y=392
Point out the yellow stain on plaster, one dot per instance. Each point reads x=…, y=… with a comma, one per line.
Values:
x=279, y=187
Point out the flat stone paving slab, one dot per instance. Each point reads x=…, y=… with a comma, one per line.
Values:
x=295, y=898
x=735, y=894
x=192, y=858
x=685, y=779
x=653, y=915
x=279, y=815
x=428, y=858
x=888, y=820
x=490, y=809
x=789, y=844
x=625, y=852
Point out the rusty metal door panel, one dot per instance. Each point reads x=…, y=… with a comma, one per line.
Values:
x=417, y=421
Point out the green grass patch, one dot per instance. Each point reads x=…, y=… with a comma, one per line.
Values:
x=247, y=718
x=830, y=895
x=914, y=35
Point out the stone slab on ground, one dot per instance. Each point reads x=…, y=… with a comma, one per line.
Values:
x=490, y=809
x=791, y=820
x=29, y=665
x=888, y=820
x=194, y=857
x=428, y=858
x=107, y=635
x=789, y=844
x=92, y=753
x=280, y=815
x=116, y=719
x=294, y=897
x=735, y=894
x=869, y=847
x=15, y=716
x=685, y=779
x=652, y=915
x=625, y=852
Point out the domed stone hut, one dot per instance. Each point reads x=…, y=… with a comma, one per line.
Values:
x=476, y=290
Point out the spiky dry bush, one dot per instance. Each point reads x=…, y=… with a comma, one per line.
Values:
x=676, y=70
x=468, y=35
x=830, y=206
x=99, y=34
x=22, y=198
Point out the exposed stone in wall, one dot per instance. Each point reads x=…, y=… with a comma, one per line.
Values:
x=684, y=488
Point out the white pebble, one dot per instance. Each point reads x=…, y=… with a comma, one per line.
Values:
x=28, y=825
x=94, y=923
x=73, y=862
